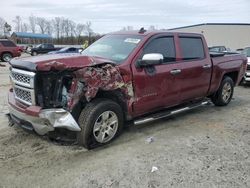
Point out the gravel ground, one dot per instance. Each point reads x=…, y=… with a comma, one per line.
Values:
x=206, y=147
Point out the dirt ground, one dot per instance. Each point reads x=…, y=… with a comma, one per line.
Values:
x=206, y=147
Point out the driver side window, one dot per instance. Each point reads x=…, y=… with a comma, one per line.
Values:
x=164, y=46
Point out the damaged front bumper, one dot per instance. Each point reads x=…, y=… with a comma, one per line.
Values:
x=41, y=120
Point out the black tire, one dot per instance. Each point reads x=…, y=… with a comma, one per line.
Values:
x=219, y=98
x=34, y=53
x=6, y=57
x=90, y=115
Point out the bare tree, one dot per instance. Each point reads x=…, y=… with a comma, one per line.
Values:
x=62, y=27
x=79, y=30
x=41, y=22
x=56, y=25
x=88, y=30
x=72, y=28
x=2, y=22
x=66, y=27
x=18, y=23
x=32, y=23
x=49, y=27
x=24, y=27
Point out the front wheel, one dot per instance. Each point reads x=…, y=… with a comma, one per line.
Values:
x=225, y=92
x=101, y=121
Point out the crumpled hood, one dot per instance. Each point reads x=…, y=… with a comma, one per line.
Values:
x=57, y=62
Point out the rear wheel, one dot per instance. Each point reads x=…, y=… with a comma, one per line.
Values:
x=6, y=57
x=34, y=53
x=225, y=92
x=101, y=121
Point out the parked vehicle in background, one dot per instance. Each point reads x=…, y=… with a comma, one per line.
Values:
x=246, y=52
x=8, y=50
x=43, y=49
x=67, y=50
x=21, y=48
x=140, y=76
x=239, y=50
x=219, y=49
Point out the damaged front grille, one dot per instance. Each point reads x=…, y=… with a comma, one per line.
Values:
x=53, y=88
x=23, y=95
x=23, y=86
x=23, y=78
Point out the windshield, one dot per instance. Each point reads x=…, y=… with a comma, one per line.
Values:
x=246, y=52
x=114, y=47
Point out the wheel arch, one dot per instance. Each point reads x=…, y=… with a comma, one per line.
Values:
x=4, y=52
x=233, y=75
x=114, y=95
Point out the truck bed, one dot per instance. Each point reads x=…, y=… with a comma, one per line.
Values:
x=226, y=63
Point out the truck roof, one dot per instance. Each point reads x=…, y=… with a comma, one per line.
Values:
x=151, y=32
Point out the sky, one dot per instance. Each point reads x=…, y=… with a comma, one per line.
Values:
x=112, y=15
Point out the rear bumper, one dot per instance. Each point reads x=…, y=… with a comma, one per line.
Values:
x=40, y=120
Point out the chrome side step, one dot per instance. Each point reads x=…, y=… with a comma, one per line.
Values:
x=168, y=113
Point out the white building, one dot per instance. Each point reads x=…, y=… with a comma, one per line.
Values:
x=231, y=35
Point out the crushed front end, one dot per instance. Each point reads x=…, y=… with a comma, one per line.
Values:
x=48, y=94
x=38, y=100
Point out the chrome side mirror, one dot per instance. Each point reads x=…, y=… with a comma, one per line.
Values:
x=150, y=60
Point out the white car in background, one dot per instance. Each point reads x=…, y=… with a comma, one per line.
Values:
x=246, y=52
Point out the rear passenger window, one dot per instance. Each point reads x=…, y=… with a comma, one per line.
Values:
x=8, y=44
x=162, y=45
x=191, y=48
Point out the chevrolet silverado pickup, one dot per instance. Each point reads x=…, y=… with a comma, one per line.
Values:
x=124, y=76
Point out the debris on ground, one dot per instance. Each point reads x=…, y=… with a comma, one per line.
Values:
x=154, y=169
x=150, y=140
x=2, y=156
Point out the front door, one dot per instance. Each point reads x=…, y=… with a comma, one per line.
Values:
x=155, y=86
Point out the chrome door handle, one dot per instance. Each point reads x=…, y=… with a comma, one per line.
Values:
x=175, y=71
x=207, y=66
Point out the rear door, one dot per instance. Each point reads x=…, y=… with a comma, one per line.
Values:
x=196, y=68
x=155, y=86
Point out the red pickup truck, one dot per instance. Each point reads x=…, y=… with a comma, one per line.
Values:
x=8, y=50
x=140, y=76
